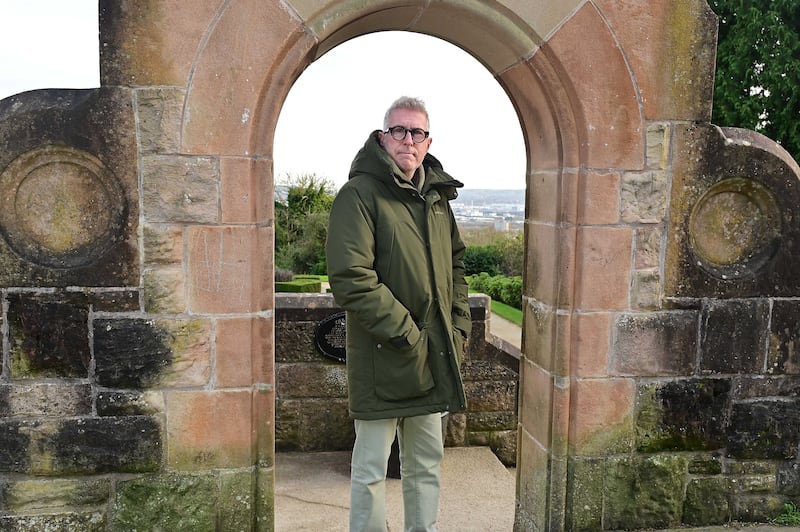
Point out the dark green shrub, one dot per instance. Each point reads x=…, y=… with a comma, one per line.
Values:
x=301, y=223
x=478, y=282
x=503, y=256
x=511, y=292
x=320, y=268
x=511, y=251
x=486, y=259
x=507, y=290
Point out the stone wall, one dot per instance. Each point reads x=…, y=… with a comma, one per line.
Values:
x=692, y=415
x=311, y=390
x=715, y=431
x=136, y=270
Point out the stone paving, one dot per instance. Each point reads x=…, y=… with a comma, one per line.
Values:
x=312, y=492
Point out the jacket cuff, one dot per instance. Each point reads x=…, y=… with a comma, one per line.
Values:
x=399, y=342
x=404, y=342
x=463, y=324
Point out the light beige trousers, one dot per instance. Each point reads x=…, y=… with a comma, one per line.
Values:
x=421, y=453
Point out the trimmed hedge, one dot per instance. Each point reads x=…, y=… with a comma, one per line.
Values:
x=507, y=290
x=299, y=285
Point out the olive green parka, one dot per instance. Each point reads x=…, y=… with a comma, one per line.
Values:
x=395, y=265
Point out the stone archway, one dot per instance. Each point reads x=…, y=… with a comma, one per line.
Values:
x=614, y=101
x=573, y=125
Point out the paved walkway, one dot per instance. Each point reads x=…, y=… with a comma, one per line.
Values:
x=507, y=330
x=312, y=492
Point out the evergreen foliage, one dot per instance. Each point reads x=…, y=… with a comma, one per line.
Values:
x=482, y=259
x=301, y=224
x=758, y=68
x=503, y=255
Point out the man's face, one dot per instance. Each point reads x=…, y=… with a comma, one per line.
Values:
x=406, y=153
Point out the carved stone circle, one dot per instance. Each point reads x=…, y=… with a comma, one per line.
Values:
x=735, y=228
x=60, y=207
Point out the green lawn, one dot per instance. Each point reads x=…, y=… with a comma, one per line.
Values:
x=507, y=312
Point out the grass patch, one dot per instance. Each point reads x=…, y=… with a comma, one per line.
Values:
x=790, y=515
x=507, y=312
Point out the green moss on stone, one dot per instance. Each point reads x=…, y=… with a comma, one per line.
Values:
x=170, y=502
x=705, y=464
x=681, y=415
x=708, y=501
x=758, y=509
x=265, y=500
x=644, y=491
x=37, y=495
x=585, y=494
x=615, y=439
x=88, y=522
x=237, y=500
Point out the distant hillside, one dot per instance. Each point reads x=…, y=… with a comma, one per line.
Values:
x=484, y=196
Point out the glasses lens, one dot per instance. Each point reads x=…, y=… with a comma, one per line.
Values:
x=399, y=133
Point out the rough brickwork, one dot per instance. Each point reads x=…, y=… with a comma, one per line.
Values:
x=659, y=376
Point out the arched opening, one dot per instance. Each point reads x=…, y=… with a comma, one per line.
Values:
x=534, y=82
x=341, y=97
x=326, y=117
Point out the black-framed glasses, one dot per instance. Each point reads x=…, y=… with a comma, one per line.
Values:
x=400, y=132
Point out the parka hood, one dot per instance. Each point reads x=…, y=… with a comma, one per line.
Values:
x=373, y=160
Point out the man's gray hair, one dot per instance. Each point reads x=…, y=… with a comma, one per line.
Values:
x=407, y=102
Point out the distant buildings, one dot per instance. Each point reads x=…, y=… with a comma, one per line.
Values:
x=502, y=210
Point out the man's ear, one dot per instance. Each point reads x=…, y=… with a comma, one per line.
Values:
x=380, y=139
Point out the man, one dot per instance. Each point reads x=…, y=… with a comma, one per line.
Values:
x=395, y=264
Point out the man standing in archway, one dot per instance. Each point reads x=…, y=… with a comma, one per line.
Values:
x=395, y=264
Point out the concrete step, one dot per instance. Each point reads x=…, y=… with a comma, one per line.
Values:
x=312, y=492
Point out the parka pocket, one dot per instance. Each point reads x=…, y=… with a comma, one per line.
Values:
x=402, y=373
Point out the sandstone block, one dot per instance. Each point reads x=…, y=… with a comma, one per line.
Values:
x=48, y=336
x=644, y=492
x=733, y=336
x=180, y=189
x=682, y=415
x=709, y=501
x=53, y=494
x=655, y=343
x=159, y=111
x=28, y=399
x=166, y=502
x=764, y=430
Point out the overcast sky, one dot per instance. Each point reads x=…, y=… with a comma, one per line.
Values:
x=332, y=107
